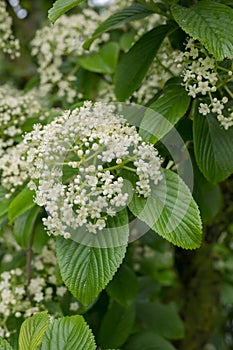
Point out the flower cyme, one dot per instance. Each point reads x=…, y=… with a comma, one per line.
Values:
x=78, y=166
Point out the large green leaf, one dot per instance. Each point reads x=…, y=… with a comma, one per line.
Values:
x=69, y=333
x=124, y=286
x=60, y=7
x=32, y=331
x=213, y=147
x=87, y=268
x=136, y=62
x=4, y=345
x=148, y=341
x=161, y=319
x=116, y=325
x=132, y=13
x=211, y=23
x=165, y=112
x=21, y=203
x=24, y=225
x=104, y=61
x=171, y=211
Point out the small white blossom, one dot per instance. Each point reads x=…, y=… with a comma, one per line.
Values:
x=74, y=306
x=204, y=109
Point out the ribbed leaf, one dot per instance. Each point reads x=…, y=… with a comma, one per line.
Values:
x=213, y=148
x=4, y=345
x=68, y=333
x=136, y=62
x=21, y=203
x=165, y=112
x=132, y=13
x=148, y=341
x=60, y=7
x=171, y=211
x=211, y=23
x=87, y=268
x=32, y=331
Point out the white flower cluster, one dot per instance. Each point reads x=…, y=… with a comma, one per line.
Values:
x=13, y=168
x=201, y=77
x=16, y=298
x=8, y=43
x=15, y=109
x=76, y=163
x=56, y=49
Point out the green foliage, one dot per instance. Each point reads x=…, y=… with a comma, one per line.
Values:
x=68, y=333
x=132, y=13
x=32, y=331
x=60, y=7
x=163, y=320
x=210, y=23
x=24, y=226
x=104, y=61
x=4, y=202
x=4, y=345
x=207, y=195
x=135, y=63
x=21, y=203
x=87, y=268
x=171, y=212
x=212, y=146
x=148, y=341
x=132, y=295
x=119, y=289
x=116, y=326
x=164, y=112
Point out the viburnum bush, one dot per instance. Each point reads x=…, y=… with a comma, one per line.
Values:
x=116, y=136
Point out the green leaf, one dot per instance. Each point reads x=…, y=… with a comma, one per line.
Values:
x=213, y=147
x=4, y=345
x=23, y=226
x=104, y=61
x=123, y=288
x=207, y=195
x=164, y=320
x=148, y=341
x=129, y=14
x=4, y=202
x=87, y=267
x=171, y=211
x=211, y=23
x=116, y=325
x=165, y=112
x=68, y=333
x=21, y=203
x=32, y=331
x=136, y=62
x=60, y=7
x=41, y=237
